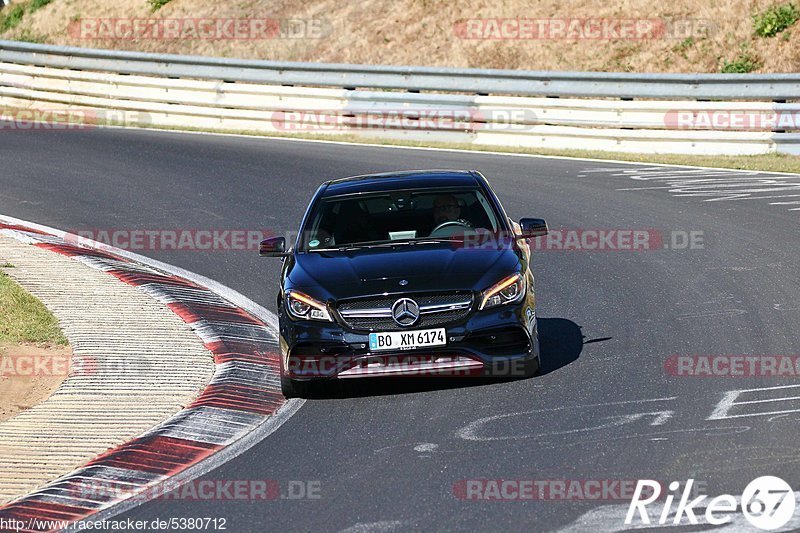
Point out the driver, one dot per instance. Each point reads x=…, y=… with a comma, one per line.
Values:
x=446, y=209
x=447, y=213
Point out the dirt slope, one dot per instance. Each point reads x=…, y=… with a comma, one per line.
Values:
x=684, y=36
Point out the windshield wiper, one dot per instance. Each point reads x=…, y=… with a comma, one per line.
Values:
x=401, y=242
x=382, y=244
x=345, y=247
x=435, y=240
x=357, y=246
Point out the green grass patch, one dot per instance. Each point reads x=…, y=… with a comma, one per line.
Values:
x=775, y=19
x=684, y=45
x=744, y=63
x=37, y=4
x=155, y=5
x=10, y=17
x=28, y=36
x=23, y=318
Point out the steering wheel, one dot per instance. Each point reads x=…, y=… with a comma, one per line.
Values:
x=449, y=228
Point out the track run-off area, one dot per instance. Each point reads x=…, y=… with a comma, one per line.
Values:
x=668, y=305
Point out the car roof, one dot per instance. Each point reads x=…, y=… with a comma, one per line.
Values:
x=410, y=179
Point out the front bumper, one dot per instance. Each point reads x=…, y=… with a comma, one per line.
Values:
x=498, y=342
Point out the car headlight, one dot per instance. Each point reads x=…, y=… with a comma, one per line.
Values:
x=509, y=290
x=305, y=307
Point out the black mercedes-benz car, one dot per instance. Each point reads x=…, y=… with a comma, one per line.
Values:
x=406, y=274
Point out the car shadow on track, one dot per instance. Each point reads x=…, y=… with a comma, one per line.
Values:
x=561, y=343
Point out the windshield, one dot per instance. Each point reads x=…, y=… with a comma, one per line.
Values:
x=398, y=216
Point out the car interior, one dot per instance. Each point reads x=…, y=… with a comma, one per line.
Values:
x=395, y=216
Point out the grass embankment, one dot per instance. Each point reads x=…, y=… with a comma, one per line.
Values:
x=34, y=354
x=23, y=318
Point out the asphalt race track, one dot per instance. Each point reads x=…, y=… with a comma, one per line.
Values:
x=395, y=456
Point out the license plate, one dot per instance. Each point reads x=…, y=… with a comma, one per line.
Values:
x=407, y=340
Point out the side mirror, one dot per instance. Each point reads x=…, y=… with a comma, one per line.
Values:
x=272, y=247
x=532, y=227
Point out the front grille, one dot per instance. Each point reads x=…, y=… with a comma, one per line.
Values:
x=374, y=313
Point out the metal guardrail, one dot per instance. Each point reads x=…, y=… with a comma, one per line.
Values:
x=463, y=106
x=769, y=87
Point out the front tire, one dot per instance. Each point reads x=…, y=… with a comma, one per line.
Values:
x=295, y=389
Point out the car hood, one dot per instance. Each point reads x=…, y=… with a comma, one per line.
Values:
x=426, y=267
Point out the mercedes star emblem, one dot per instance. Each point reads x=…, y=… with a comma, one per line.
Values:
x=405, y=312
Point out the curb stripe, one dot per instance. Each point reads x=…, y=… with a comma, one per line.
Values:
x=193, y=312
x=243, y=391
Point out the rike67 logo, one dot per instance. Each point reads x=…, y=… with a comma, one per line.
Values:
x=767, y=503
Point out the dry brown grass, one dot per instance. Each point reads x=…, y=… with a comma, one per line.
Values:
x=421, y=32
